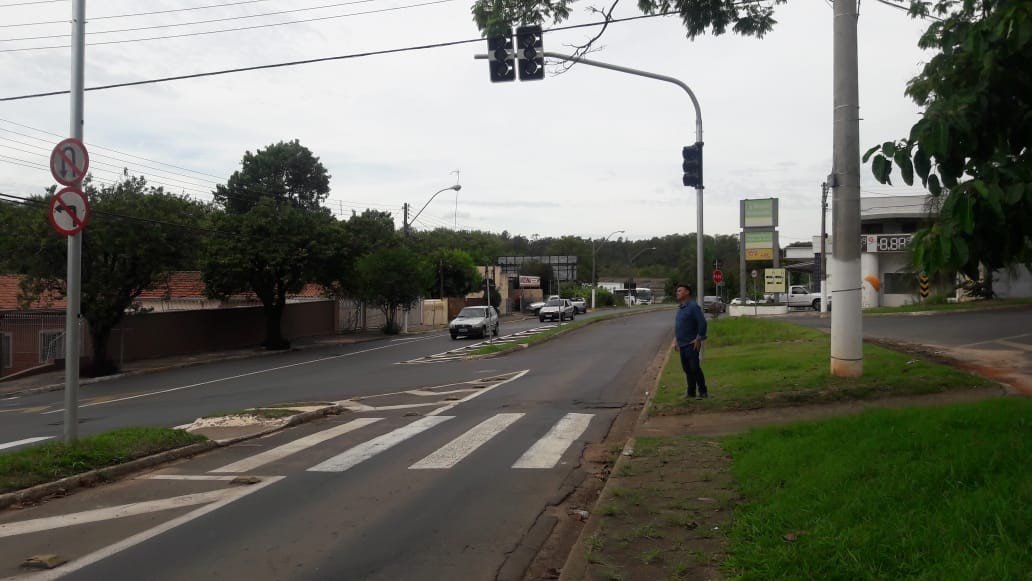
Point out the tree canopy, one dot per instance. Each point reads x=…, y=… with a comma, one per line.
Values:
x=970, y=148
x=392, y=279
x=285, y=171
x=137, y=235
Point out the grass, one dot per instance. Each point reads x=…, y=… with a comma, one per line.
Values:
x=940, y=493
x=54, y=460
x=751, y=363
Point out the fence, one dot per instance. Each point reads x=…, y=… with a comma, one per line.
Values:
x=30, y=339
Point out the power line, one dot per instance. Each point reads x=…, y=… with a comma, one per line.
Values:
x=209, y=21
x=310, y=61
x=255, y=27
x=30, y=3
x=92, y=18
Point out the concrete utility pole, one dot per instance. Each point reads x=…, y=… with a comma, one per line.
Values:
x=74, y=281
x=847, y=356
x=824, y=248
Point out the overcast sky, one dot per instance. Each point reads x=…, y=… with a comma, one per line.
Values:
x=582, y=153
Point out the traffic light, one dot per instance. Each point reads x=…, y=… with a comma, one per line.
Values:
x=501, y=58
x=692, y=165
x=530, y=52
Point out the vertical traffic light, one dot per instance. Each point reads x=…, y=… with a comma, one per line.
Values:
x=501, y=58
x=692, y=165
x=530, y=52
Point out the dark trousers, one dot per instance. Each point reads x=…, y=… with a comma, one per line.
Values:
x=693, y=370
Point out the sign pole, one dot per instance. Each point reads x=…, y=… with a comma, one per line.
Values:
x=73, y=290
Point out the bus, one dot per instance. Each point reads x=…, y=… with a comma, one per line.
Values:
x=643, y=296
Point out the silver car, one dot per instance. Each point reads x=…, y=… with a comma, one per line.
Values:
x=475, y=321
x=557, y=310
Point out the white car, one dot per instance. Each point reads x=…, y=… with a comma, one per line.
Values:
x=739, y=301
x=536, y=307
x=475, y=321
x=557, y=310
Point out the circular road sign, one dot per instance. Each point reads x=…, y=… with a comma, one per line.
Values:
x=69, y=211
x=69, y=162
x=754, y=273
x=718, y=276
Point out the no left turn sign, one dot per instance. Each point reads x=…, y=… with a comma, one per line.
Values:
x=69, y=162
x=69, y=211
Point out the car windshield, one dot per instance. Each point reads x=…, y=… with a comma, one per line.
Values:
x=472, y=312
x=555, y=303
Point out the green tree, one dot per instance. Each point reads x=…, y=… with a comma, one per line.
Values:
x=274, y=235
x=347, y=242
x=971, y=147
x=454, y=274
x=392, y=279
x=285, y=171
x=495, y=17
x=136, y=235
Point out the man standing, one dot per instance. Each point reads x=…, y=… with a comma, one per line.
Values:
x=689, y=333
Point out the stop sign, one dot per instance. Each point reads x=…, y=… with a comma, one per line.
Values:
x=718, y=276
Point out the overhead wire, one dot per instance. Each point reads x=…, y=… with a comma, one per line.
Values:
x=241, y=28
x=12, y=5
x=150, y=13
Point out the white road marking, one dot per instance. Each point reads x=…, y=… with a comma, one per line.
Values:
x=453, y=452
x=479, y=393
x=289, y=448
x=25, y=441
x=187, y=477
x=229, y=495
x=546, y=452
x=271, y=369
x=367, y=450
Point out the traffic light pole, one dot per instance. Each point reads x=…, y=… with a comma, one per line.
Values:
x=699, y=280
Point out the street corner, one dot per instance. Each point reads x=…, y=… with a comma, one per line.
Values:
x=233, y=427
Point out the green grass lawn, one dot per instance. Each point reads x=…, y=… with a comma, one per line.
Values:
x=52, y=461
x=752, y=363
x=931, y=493
x=965, y=306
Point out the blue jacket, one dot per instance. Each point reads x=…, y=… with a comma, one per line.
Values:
x=690, y=324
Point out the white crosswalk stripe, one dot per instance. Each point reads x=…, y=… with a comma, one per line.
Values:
x=546, y=452
x=363, y=452
x=23, y=442
x=453, y=452
x=248, y=464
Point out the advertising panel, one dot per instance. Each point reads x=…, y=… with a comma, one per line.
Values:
x=759, y=213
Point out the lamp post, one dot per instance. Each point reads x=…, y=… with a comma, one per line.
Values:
x=594, y=252
x=635, y=257
x=406, y=221
x=405, y=228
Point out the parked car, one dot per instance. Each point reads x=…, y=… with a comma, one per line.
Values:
x=557, y=310
x=714, y=305
x=739, y=301
x=579, y=304
x=475, y=321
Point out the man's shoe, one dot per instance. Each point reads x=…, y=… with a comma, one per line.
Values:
x=690, y=395
x=703, y=395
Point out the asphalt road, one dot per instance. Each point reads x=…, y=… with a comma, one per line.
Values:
x=443, y=471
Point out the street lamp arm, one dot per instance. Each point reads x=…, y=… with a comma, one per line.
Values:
x=456, y=187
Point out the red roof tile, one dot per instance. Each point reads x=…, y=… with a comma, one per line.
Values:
x=9, y=289
x=183, y=284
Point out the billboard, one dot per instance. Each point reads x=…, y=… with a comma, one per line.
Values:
x=759, y=213
x=530, y=281
x=759, y=245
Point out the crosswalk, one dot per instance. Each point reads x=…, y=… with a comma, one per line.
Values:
x=544, y=453
x=465, y=351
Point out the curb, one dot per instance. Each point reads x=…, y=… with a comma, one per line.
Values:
x=576, y=561
x=68, y=484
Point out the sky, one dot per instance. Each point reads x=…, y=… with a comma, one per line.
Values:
x=584, y=152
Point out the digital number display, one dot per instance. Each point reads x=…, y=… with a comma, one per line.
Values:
x=884, y=242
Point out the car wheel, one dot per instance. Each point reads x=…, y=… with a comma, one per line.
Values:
x=454, y=336
x=542, y=319
x=573, y=314
x=817, y=304
x=497, y=330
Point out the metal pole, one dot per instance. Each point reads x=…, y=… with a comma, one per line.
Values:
x=593, y=283
x=847, y=356
x=698, y=138
x=74, y=287
x=824, y=248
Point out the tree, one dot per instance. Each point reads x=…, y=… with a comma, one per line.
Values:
x=273, y=234
x=136, y=235
x=348, y=241
x=494, y=17
x=392, y=278
x=971, y=147
x=455, y=274
x=285, y=171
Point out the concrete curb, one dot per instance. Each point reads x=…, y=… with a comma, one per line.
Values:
x=68, y=484
x=576, y=562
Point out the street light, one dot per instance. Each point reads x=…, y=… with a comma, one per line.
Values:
x=406, y=221
x=594, y=251
x=635, y=257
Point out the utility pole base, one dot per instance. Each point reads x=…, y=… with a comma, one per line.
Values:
x=847, y=367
